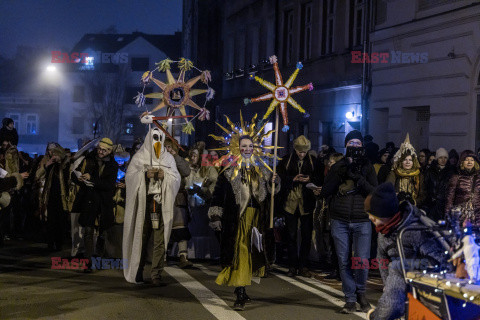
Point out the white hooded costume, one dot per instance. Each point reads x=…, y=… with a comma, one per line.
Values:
x=137, y=194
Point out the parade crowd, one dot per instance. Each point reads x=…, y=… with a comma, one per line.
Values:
x=157, y=199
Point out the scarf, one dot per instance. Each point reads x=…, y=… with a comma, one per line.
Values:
x=387, y=227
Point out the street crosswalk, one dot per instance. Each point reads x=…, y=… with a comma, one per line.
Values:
x=26, y=275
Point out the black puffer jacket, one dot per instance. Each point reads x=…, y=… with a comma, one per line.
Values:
x=96, y=201
x=349, y=207
x=436, y=184
x=288, y=169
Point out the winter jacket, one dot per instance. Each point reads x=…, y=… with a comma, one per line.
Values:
x=97, y=201
x=225, y=207
x=420, y=248
x=459, y=190
x=347, y=203
x=9, y=135
x=436, y=183
x=287, y=170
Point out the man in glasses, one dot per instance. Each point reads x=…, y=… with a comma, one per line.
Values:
x=96, y=176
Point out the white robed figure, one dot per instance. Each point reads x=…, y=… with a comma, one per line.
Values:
x=152, y=182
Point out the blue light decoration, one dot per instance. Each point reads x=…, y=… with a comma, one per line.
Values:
x=120, y=175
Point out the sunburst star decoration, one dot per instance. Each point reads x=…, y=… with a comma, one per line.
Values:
x=233, y=158
x=176, y=94
x=280, y=92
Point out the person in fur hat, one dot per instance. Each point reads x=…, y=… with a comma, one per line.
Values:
x=436, y=183
x=389, y=219
x=298, y=202
x=464, y=189
x=406, y=175
x=54, y=196
x=348, y=183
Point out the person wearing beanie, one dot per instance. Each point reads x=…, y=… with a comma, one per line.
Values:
x=354, y=137
x=464, y=189
x=389, y=218
x=436, y=180
x=298, y=202
x=96, y=176
x=347, y=184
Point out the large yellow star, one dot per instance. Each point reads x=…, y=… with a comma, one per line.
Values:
x=280, y=92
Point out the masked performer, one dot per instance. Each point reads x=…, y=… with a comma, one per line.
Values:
x=152, y=182
x=239, y=208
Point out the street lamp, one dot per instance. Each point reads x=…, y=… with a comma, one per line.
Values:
x=51, y=68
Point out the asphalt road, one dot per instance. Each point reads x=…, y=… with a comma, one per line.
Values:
x=31, y=289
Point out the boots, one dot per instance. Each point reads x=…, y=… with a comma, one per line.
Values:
x=184, y=263
x=363, y=301
x=239, y=304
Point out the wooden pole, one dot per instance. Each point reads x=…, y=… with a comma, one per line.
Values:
x=272, y=197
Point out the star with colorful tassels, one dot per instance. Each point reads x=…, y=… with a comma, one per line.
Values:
x=280, y=92
x=177, y=93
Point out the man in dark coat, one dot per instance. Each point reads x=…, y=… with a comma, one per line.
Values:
x=96, y=176
x=389, y=219
x=54, y=197
x=8, y=132
x=436, y=180
x=296, y=171
x=349, y=181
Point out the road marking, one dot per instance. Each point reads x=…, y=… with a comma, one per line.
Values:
x=316, y=283
x=336, y=301
x=209, y=300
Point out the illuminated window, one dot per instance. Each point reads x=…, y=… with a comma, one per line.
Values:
x=32, y=124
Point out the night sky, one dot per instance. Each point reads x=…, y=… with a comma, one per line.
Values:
x=59, y=24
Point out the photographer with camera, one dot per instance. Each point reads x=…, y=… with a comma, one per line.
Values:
x=348, y=182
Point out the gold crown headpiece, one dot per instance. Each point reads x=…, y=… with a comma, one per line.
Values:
x=231, y=143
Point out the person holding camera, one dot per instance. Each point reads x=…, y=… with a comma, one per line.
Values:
x=349, y=182
x=296, y=171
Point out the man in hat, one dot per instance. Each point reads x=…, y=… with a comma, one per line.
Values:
x=54, y=196
x=348, y=182
x=423, y=251
x=96, y=176
x=298, y=202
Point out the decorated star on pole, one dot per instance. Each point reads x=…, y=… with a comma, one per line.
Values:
x=280, y=93
x=176, y=93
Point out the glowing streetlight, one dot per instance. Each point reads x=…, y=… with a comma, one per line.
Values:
x=51, y=68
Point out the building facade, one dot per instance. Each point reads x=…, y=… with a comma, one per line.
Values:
x=430, y=86
x=319, y=33
x=35, y=117
x=102, y=90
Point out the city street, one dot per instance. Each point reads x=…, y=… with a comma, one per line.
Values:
x=32, y=290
